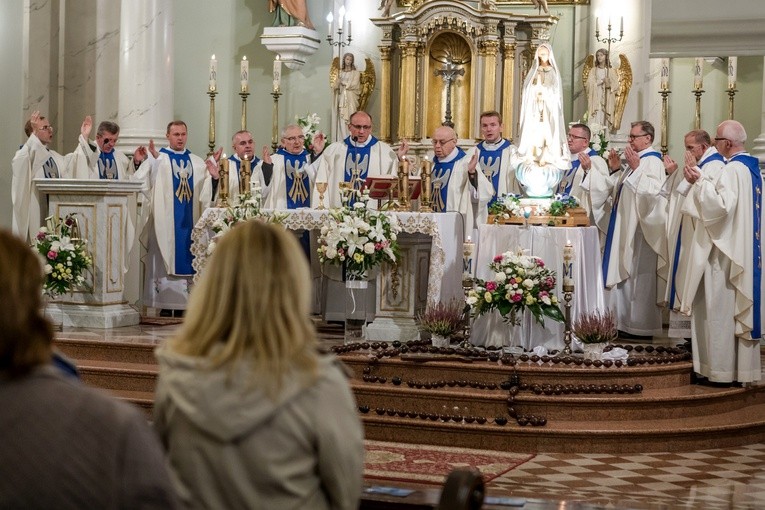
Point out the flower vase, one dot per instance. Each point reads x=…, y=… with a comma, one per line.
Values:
x=439, y=340
x=594, y=351
x=356, y=285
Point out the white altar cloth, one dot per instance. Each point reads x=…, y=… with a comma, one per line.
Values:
x=445, y=229
x=547, y=243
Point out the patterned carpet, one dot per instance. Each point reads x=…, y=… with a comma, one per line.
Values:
x=430, y=464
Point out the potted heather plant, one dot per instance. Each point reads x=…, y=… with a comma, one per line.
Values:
x=441, y=320
x=595, y=330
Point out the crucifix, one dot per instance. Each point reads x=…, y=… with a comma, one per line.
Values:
x=449, y=73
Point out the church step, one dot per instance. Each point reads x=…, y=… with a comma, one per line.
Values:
x=144, y=400
x=681, y=402
x=673, y=435
x=113, y=375
x=126, y=352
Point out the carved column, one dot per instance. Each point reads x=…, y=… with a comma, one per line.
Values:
x=385, y=93
x=488, y=53
x=408, y=90
x=508, y=89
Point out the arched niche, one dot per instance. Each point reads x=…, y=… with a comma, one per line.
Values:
x=449, y=49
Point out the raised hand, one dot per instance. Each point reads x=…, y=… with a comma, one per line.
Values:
x=584, y=161
x=267, y=155
x=152, y=149
x=473, y=163
x=670, y=165
x=631, y=155
x=402, y=149
x=87, y=127
x=140, y=155
x=35, y=120
x=691, y=173
x=614, y=161
x=318, y=143
x=690, y=159
x=216, y=154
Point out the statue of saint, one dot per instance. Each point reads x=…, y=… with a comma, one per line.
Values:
x=607, y=88
x=290, y=13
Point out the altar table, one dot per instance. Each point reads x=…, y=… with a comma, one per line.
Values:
x=546, y=243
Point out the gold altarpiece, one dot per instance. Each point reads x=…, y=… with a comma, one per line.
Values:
x=492, y=49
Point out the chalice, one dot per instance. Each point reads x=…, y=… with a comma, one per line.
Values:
x=321, y=187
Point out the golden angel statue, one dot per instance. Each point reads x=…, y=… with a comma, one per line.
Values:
x=352, y=88
x=607, y=89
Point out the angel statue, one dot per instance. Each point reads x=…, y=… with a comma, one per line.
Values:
x=607, y=89
x=542, y=150
x=352, y=89
x=384, y=8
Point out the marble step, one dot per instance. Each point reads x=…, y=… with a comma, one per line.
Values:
x=116, y=375
x=127, y=352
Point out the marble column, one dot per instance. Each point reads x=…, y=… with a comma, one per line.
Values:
x=758, y=146
x=145, y=70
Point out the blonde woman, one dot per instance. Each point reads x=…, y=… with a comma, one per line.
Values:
x=251, y=415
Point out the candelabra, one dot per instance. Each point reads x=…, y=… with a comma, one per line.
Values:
x=664, y=122
x=223, y=183
x=608, y=40
x=425, y=193
x=211, y=134
x=275, y=120
x=731, y=94
x=338, y=43
x=697, y=117
x=568, y=296
x=245, y=173
x=243, y=94
x=403, y=185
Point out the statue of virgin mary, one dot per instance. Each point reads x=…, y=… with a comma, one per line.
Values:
x=542, y=151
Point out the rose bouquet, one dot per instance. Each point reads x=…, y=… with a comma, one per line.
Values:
x=66, y=258
x=310, y=126
x=358, y=237
x=520, y=282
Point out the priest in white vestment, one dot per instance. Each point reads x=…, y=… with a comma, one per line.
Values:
x=352, y=160
x=34, y=160
x=244, y=149
x=100, y=160
x=288, y=176
x=181, y=185
x=630, y=254
x=456, y=185
x=494, y=156
x=719, y=281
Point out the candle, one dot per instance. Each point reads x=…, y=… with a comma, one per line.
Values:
x=213, y=73
x=244, y=73
x=698, y=72
x=468, y=247
x=597, y=26
x=277, y=73
x=621, y=25
x=665, y=74
x=732, y=71
x=568, y=265
x=341, y=15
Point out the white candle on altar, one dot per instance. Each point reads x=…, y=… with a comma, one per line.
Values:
x=732, y=71
x=698, y=73
x=468, y=247
x=568, y=264
x=213, y=74
x=665, y=74
x=277, y=73
x=330, y=19
x=244, y=74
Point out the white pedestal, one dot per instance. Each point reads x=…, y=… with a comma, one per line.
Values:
x=293, y=44
x=402, y=291
x=102, y=209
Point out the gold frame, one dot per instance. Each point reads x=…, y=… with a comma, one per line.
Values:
x=407, y=3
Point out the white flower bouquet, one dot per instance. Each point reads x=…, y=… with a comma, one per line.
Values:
x=598, y=140
x=359, y=238
x=248, y=208
x=520, y=282
x=310, y=126
x=65, y=255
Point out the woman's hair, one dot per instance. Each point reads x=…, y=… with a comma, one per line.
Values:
x=25, y=333
x=252, y=306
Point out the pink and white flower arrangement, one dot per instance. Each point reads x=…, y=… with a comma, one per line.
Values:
x=520, y=282
x=65, y=256
x=247, y=208
x=358, y=237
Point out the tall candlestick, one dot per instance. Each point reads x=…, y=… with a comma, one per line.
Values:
x=223, y=182
x=698, y=73
x=568, y=265
x=244, y=74
x=665, y=74
x=277, y=73
x=732, y=71
x=213, y=74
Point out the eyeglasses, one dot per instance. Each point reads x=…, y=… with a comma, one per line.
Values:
x=295, y=138
x=46, y=128
x=572, y=137
x=360, y=127
x=721, y=139
x=109, y=140
x=443, y=142
x=632, y=137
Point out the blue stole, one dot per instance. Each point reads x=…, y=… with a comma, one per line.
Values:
x=298, y=184
x=107, y=166
x=357, y=161
x=442, y=173
x=567, y=181
x=50, y=169
x=676, y=259
x=490, y=162
x=183, y=209
x=754, y=169
x=612, y=219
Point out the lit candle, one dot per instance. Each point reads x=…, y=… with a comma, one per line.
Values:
x=732, y=71
x=698, y=73
x=244, y=73
x=341, y=16
x=568, y=265
x=665, y=74
x=213, y=73
x=277, y=73
x=468, y=247
x=330, y=18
